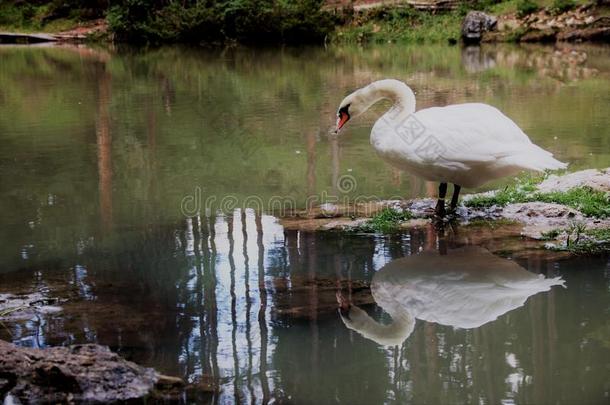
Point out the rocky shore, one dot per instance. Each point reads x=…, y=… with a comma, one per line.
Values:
x=556, y=226
x=88, y=373
x=79, y=373
x=583, y=23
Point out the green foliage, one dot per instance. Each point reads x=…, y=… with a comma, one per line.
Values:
x=386, y=220
x=75, y=9
x=36, y=14
x=526, y=7
x=16, y=16
x=246, y=21
x=561, y=6
x=401, y=24
x=156, y=21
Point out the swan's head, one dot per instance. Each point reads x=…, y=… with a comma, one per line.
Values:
x=352, y=106
x=362, y=99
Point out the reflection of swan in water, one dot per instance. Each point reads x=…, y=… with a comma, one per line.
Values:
x=466, y=288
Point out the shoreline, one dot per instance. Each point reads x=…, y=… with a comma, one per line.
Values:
x=550, y=214
x=394, y=22
x=401, y=24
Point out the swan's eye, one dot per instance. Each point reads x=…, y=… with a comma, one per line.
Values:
x=343, y=110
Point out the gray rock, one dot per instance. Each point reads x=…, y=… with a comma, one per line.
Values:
x=80, y=373
x=475, y=24
x=541, y=212
x=77, y=373
x=596, y=179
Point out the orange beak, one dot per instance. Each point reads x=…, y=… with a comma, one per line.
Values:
x=341, y=120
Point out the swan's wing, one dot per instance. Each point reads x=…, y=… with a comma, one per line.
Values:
x=470, y=134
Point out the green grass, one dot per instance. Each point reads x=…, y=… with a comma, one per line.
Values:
x=602, y=234
x=580, y=240
x=505, y=7
x=592, y=203
x=526, y=7
x=513, y=193
x=512, y=6
x=560, y=6
x=386, y=221
x=595, y=241
x=400, y=25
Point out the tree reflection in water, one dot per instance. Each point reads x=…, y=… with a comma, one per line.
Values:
x=238, y=299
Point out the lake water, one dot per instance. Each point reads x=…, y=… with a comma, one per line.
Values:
x=138, y=186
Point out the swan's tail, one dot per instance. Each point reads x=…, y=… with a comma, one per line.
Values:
x=534, y=158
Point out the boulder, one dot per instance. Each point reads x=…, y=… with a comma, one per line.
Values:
x=79, y=373
x=475, y=24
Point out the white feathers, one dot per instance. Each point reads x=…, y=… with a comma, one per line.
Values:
x=464, y=144
x=465, y=288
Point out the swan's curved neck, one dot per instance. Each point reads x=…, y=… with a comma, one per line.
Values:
x=392, y=334
x=397, y=92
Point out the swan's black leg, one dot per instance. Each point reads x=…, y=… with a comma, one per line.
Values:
x=440, y=204
x=454, y=198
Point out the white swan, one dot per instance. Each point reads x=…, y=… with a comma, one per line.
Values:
x=466, y=288
x=464, y=144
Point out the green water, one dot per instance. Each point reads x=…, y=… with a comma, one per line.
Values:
x=105, y=151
